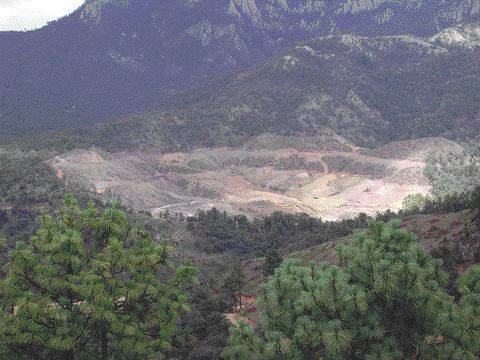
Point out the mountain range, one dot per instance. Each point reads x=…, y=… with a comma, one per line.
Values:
x=116, y=57
x=368, y=90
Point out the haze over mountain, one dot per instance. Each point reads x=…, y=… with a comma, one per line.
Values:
x=113, y=57
x=370, y=90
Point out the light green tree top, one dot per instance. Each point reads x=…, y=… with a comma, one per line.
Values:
x=384, y=300
x=90, y=283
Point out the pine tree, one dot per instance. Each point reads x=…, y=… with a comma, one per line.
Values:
x=3, y=253
x=234, y=284
x=460, y=325
x=475, y=206
x=89, y=286
x=383, y=300
x=272, y=260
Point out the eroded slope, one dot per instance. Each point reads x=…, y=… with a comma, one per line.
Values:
x=333, y=182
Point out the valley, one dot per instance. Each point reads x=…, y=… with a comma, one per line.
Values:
x=170, y=168
x=335, y=181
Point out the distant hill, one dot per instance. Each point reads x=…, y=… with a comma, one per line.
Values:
x=369, y=91
x=114, y=57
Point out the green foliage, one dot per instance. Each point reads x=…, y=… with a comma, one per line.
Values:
x=216, y=232
x=447, y=203
x=206, y=325
x=90, y=284
x=3, y=253
x=234, y=284
x=453, y=172
x=451, y=259
x=460, y=324
x=414, y=202
x=272, y=260
x=27, y=186
x=27, y=180
x=475, y=206
x=383, y=300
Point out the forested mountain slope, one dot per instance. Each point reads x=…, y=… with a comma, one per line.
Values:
x=114, y=57
x=368, y=90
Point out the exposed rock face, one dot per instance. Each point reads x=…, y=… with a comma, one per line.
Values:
x=92, y=10
x=467, y=36
x=114, y=57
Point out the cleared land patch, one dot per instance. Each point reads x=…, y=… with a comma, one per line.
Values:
x=328, y=183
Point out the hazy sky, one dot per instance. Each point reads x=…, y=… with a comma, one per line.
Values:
x=32, y=14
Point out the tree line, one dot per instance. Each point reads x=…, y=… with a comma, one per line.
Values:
x=217, y=232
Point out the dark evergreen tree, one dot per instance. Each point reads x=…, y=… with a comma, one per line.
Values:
x=475, y=206
x=459, y=324
x=234, y=285
x=3, y=254
x=272, y=260
x=206, y=324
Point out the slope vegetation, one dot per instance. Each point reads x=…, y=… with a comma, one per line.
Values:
x=370, y=91
x=115, y=57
